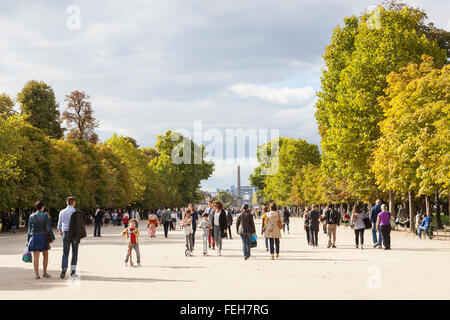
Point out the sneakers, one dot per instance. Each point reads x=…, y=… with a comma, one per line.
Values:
x=139, y=264
x=73, y=274
x=219, y=253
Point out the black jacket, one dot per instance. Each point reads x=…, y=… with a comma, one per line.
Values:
x=229, y=219
x=77, y=229
x=247, y=221
x=223, y=223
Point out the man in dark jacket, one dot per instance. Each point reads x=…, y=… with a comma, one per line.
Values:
x=219, y=225
x=314, y=216
x=246, y=223
x=376, y=209
x=229, y=222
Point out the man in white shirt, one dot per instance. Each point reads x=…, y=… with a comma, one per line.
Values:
x=63, y=227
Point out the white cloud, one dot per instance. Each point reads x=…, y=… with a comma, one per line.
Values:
x=282, y=96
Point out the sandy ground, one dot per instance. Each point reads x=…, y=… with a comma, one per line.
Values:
x=413, y=269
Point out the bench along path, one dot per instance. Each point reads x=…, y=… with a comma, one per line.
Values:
x=300, y=273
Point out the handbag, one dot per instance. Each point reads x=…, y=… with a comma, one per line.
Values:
x=367, y=223
x=26, y=256
x=47, y=236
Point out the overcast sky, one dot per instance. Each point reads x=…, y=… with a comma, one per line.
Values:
x=150, y=66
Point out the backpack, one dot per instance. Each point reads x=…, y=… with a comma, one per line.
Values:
x=334, y=217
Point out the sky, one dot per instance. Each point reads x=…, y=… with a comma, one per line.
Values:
x=153, y=66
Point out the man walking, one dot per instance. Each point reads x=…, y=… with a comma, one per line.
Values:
x=376, y=209
x=229, y=222
x=245, y=227
x=314, y=216
x=72, y=229
x=98, y=221
x=332, y=219
x=165, y=219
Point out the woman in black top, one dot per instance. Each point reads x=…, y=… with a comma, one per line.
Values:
x=219, y=225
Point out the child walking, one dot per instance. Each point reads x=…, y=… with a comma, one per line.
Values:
x=186, y=225
x=206, y=226
x=132, y=234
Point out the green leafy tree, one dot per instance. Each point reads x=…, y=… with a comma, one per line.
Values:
x=6, y=106
x=360, y=56
x=39, y=107
x=308, y=187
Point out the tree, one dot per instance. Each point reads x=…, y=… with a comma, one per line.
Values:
x=307, y=186
x=193, y=170
x=226, y=198
x=359, y=58
x=292, y=155
x=10, y=146
x=412, y=154
x=6, y=106
x=80, y=117
x=39, y=107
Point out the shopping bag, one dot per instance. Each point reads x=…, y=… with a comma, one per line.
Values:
x=26, y=256
x=253, y=242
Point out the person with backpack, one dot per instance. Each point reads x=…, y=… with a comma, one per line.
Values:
x=332, y=219
x=40, y=235
x=245, y=227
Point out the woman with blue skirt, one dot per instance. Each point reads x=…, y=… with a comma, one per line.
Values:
x=38, y=227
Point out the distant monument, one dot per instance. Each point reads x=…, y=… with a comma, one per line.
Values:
x=239, y=197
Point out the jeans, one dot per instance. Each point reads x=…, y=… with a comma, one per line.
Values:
x=308, y=238
x=218, y=237
x=66, y=249
x=134, y=246
x=205, y=236
x=314, y=235
x=374, y=234
x=286, y=224
x=97, y=227
x=266, y=240
x=166, y=228
x=194, y=227
x=277, y=245
x=246, y=242
x=359, y=235
x=427, y=232
x=386, y=233
x=189, y=242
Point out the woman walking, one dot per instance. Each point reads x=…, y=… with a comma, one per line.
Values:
x=186, y=225
x=173, y=217
x=39, y=231
x=152, y=224
x=263, y=226
x=273, y=227
x=384, y=224
x=357, y=220
x=219, y=224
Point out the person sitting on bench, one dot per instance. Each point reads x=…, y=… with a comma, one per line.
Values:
x=425, y=225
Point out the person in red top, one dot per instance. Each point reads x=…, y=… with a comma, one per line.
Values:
x=132, y=234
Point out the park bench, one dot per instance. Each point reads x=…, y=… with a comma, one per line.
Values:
x=442, y=233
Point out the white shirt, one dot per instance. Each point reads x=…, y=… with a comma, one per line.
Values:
x=64, y=218
x=216, y=218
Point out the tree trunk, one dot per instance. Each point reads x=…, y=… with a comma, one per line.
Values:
x=428, y=207
x=438, y=212
x=391, y=203
x=411, y=211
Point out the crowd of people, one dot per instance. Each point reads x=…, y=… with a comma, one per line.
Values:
x=215, y=224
